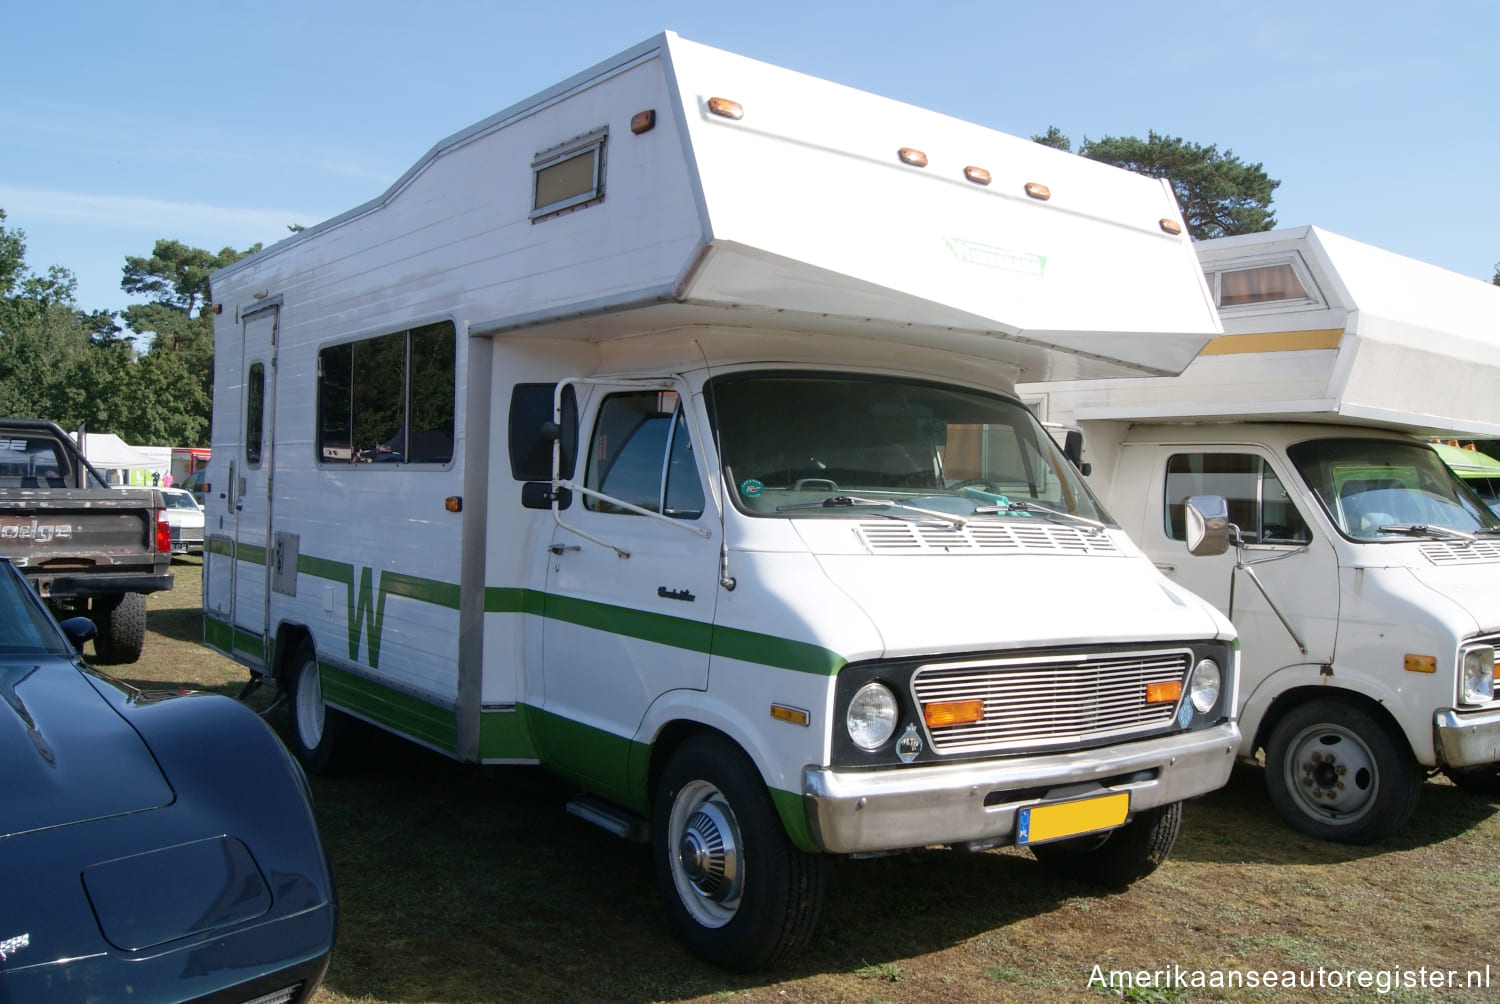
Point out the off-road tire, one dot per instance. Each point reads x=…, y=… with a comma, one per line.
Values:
x=121, y=622
x=1121, y=856
x=739, y=894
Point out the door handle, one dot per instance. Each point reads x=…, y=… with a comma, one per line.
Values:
x=1165, y=566
x=560, y=548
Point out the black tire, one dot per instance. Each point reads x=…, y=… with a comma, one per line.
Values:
x=327, y=741
x=1337, y=773
x=121, y=621
x=1483, y=780
x=740, y=895
x=1121, y=856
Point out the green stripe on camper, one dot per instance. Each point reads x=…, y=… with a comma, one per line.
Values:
x=676, y=632
x=427, y=723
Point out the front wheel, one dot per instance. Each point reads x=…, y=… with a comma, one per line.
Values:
x=325, y=739
x=1119, y=857
x=739, y=893
x=1338, y=774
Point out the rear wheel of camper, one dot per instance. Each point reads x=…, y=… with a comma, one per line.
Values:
x=325, y=739
x=1337, y=773
x=739, y=894
x=1122, y=855
x=121, y=620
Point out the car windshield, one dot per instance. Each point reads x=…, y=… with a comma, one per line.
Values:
x=180, y=500
x=1386, y=489
x=25, y=626
x=821, y=444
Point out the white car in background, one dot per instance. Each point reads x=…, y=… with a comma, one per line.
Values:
x=185, y=517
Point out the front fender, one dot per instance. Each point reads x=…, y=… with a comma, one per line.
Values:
x=1332, y=682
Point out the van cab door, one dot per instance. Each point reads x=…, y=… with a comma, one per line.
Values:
x=1286, y=550
x=632, y=581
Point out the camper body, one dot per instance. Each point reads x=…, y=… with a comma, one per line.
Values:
x=671, y=444
x=1367, y=590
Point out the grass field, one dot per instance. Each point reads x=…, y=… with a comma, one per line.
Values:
x=462, y=885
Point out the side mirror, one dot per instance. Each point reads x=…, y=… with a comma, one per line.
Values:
x=79, y=630
x=1207, y=524
x=540, y=495
x=1073, y=450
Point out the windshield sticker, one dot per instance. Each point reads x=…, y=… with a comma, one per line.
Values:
x=751, y=488
x=1004, y=259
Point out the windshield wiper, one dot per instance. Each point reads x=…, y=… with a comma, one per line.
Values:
x=844, y=501
x=1426, y=530
x=1042, y=510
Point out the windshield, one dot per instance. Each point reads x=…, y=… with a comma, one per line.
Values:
x=799, y=444
x=25, y=626
x=1380, y=489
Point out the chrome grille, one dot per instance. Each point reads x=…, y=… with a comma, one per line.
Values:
x=984, y=536
x=1051, y=701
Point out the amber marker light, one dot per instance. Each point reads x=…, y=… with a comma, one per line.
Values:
x=916, y=158
x=453, y=503
x=940, y=713
x=1164, y=693
x=1171, y=226
x=978, y=175
x=728, y=109
x=643, y=121
x=1038, y=191
x=1421, y=663
x=794, y=716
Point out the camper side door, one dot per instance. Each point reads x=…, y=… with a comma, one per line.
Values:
x=249, y=488
x=632, y=582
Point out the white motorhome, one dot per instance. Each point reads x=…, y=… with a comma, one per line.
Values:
x=661, y=430
x=1367, y=587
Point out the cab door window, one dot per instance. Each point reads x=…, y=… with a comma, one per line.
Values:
x=1258, y=502
x=642, y=454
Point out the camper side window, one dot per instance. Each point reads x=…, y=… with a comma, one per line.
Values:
x=388, y=399
x=255, y=412
x=642, y=454
x=1258, y=502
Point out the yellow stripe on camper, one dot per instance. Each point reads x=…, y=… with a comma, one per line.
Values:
x=1273, y=341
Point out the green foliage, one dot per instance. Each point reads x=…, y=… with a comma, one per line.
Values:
x=1219, y=195
x=1054, y=138
x=176, y=275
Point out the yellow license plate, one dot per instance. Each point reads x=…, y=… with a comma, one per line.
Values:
x=1041, y=823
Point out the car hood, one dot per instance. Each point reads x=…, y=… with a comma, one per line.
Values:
x=67, y=755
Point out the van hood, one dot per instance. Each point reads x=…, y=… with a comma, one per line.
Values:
x=1472, y=588
x=970, y=603
x=68, y=756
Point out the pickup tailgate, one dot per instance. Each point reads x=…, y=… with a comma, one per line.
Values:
x=81, y=541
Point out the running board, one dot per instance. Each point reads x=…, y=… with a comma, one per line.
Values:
x=608, y=816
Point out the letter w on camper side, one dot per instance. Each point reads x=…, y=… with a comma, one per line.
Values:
x=661, y=430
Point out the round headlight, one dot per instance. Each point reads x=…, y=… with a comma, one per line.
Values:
x=1204, y=685
x=872, y=716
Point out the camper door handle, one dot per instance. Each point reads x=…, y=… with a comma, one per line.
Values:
x=1165, y=567
x=560, y=548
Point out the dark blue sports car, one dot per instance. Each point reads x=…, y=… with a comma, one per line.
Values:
x=153, y=846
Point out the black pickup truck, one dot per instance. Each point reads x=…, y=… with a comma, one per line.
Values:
x=85, y=547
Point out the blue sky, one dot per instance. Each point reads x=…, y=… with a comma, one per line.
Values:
x=219, y=124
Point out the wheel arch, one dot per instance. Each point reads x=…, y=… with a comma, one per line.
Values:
x=1295, y=697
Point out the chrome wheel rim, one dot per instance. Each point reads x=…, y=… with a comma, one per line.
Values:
x=704, y=845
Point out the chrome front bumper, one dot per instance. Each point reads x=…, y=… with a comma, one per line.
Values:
x=889, y=810
x=1466, y=739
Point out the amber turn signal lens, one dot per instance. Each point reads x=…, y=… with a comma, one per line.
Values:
x=940, y=713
